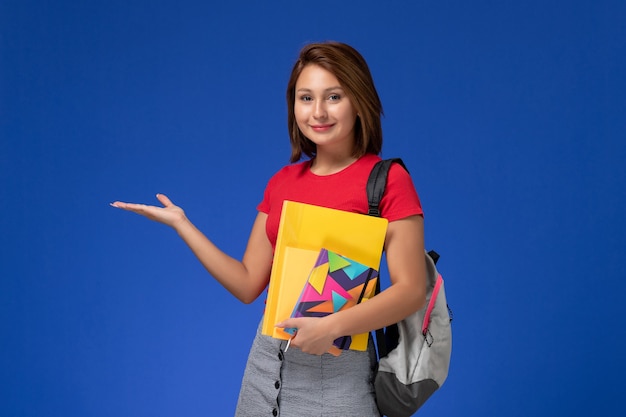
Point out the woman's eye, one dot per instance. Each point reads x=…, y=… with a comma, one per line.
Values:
x=306, y=98
x=334, y=97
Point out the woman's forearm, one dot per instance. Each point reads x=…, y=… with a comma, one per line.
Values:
x=243, y=279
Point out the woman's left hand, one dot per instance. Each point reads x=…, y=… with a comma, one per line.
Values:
x=312, y=334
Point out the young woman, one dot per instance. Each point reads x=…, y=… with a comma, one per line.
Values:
x=334, y=120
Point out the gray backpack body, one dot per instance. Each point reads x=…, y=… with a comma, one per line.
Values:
x=414, y=354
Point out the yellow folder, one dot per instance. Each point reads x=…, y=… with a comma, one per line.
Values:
x=303, y=231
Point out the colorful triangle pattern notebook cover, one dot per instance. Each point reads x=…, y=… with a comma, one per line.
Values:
x=304, y=230
x=336, y=283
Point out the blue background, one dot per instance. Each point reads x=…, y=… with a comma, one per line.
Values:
x=510, y=116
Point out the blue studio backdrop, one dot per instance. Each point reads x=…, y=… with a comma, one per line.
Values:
x=510, y=116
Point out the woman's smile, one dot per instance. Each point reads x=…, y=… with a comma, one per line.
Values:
x=321, y=128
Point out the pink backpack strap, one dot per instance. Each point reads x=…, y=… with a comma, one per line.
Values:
x=431, y=304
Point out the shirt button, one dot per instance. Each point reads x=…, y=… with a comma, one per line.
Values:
x=274, y=412
x=277, y=384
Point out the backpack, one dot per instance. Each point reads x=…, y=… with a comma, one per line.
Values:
x=414, y=354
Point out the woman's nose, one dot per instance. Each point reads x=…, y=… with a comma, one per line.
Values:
x=320, y=110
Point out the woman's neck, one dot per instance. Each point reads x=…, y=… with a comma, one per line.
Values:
x=328, y=164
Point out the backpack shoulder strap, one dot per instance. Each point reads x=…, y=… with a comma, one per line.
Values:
x=386, y=338
x=377, y=182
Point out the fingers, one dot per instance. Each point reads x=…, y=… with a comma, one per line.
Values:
x=289, y=323
x=164, y=200
x=290, y=326
x=118, y=204
x=168, y=214
x=141, y=207
x=137, y=208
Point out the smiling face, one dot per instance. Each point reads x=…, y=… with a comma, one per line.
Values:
x=323, y=110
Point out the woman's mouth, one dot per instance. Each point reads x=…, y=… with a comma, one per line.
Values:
x=321, y=128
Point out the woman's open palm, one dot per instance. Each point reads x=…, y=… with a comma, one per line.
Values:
x=170, y=214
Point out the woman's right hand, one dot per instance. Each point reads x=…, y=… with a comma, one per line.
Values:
x=245, y=279
x=170, y=214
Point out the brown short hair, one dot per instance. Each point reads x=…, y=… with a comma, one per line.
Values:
x=354, y=76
